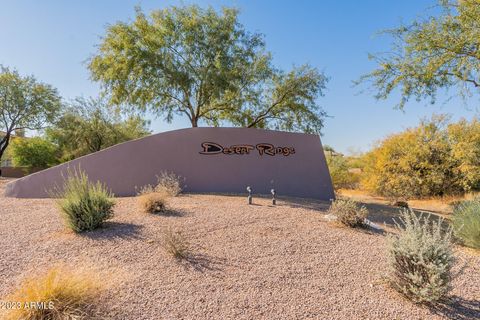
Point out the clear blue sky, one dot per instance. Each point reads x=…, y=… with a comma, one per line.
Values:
x=52, y=39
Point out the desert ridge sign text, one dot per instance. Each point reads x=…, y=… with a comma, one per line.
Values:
x=210, y=148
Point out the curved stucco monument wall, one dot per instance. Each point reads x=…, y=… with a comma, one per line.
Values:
x=210, y=159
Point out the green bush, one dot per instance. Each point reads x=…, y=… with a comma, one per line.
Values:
x=342, y=176
x=349, y=212
x=33, y=153
x=436, y=158
x=84, y=205
x=420, y=258
x=466, y=222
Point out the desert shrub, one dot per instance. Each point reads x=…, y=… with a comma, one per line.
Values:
x=153, y=202
x=349, y=212
x=420, y=258
x=84, y=205
x=63, y=293
x=341, y=173
x=466, y=222
x=170, y=183
x=414, y=164
x=433, y=159
x=167, y=182
x=33, y=153
x=175, y=244
x=464, y=137
x=399, y=203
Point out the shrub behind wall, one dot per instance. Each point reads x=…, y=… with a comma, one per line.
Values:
x=433, y=159
x=342, y=177
x=33, y=153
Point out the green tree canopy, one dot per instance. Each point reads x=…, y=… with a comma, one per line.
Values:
x=204, y=65
x=25, y=103
x=339, y=168
x=434, y=159
x=465, y=140
x=33, y=153
x=89, y=125
x=439, y=52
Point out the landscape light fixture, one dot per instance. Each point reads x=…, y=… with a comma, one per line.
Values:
x=249, y=195
x=274, y=193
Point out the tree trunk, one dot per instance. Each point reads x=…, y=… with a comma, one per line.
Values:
x=194, y=122
x=3, y=146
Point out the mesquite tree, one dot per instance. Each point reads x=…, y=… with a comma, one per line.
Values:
x=204, y=65
x=25, y=103
x=437, y=52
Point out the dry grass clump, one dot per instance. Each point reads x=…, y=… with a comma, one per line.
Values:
x=84, y=205
x=349, y=212
x=154, y=202
x=59, y=294
x=167, y=182
x=421, y=258
x=175, y=244
x=153, y=198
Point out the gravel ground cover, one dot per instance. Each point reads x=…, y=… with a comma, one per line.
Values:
x=247, y=262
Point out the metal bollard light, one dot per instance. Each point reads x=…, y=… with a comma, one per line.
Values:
x=249, y=195
x=274, y=193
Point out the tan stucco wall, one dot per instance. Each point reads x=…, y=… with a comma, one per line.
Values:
x=298, y=170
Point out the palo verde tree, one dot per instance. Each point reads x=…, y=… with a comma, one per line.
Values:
x=438, y=52
x=204, y=65
x=25, y=103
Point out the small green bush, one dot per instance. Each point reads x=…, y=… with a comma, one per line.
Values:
x=466, y=222
x=33, y=152
x=342, y=176
x=349, y=212
x=420, y=258
x=84, y=205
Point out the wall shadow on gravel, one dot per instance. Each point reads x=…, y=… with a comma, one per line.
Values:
x=203, y=262
x=458, y=308
x=111, y=230
x=172, y=213
x=308, y=204
x=381, y=214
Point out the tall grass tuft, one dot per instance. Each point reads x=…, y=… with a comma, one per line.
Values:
x=420, y=258
x=175, y=244
x=59, y=294
x=84, y=205
x=466, y=222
